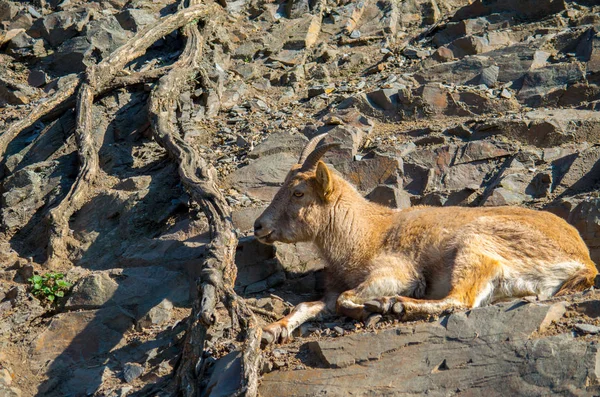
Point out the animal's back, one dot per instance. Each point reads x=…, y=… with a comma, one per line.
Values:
x=536, y=248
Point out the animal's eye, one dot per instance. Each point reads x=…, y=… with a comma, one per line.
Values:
x=298, y=194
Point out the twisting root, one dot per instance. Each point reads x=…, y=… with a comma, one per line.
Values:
x=218, y=268
x=97, y=79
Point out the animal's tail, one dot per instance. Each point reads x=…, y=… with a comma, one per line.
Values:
x=579, y=281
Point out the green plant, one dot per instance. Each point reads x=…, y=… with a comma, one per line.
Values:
x=49, y=286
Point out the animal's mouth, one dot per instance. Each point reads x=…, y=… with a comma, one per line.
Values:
x=265, y=238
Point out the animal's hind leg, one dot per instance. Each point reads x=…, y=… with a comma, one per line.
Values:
x=472, y=284
x=381, y=282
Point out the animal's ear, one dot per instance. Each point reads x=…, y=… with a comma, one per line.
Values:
x=324, y=180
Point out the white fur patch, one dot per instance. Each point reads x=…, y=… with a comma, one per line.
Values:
x=543, y=280
x=484, y=296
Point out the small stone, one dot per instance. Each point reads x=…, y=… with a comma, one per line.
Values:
x=587, y=328
x=37, y=78
x=355, y=34
x=132, y=371
x=242, y=142
x=279, y=353
x=134, y=19
x=320, y=89
x=5, y=378
x=505, y=94
x=443, y=54
x=11, y=294
x=489, y=75
x=339, y=330
x=267, y=367
x=372, y=320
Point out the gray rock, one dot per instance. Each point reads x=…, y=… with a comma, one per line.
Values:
x=132, y=371
x=23, y=20
x=101, y=38
x=226, y=376
x=15, y=93
x=244, y=218
x=134, y=19
x=373, y=170
x=460, y=131
x=587, y=328
x=255, y=262
x=530, y=9
x=8, y=10
x=454, y=30
x=545, y=127
x=582, y=173
x=68, y=339
x=37, y=78
x=446, y=355
x=297, y=8
x=583, y=212
x=389, y=196
x=261, y=178
x=539, y=84
x=93, y=291
x=489, y=75
x=483, y=150
x=279, y=142
x=298, y=259
x=157, y=315
x=58, y=27
x=387, y=98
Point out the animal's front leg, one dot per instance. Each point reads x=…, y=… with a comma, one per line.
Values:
x=281, y=331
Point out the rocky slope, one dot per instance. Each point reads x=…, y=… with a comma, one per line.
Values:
x=438, y=102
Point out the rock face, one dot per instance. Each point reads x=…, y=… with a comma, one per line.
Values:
x=433, y=102
x=463, y=351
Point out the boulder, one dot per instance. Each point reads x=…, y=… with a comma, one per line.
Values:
x=450, y=354
x=263, y=177
x=58, y=27
x=134, y=19
x=390, y=196
x=527, y=9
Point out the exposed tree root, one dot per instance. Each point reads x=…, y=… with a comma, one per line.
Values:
x=218, y=268
x=97, y=79
x=37, y=112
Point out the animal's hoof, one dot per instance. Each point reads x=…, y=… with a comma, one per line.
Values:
x=374, y=306
x=398, y=308
x=275, y=333
x=372, y=320
x=267, y=338
x=382, y=306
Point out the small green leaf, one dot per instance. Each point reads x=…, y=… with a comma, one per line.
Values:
x=50, y=297
x=36, y=279
x=60, y=294
x=47, y=290
x=37, y=286
x=63, y=284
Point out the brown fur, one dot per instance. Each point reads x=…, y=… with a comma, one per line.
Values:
x=421, y=260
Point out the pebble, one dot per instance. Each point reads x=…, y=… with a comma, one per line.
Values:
x=505, y=94
x=587, y=328
x=132, y=371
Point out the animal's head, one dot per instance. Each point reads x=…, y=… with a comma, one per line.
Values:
x=300, y=207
